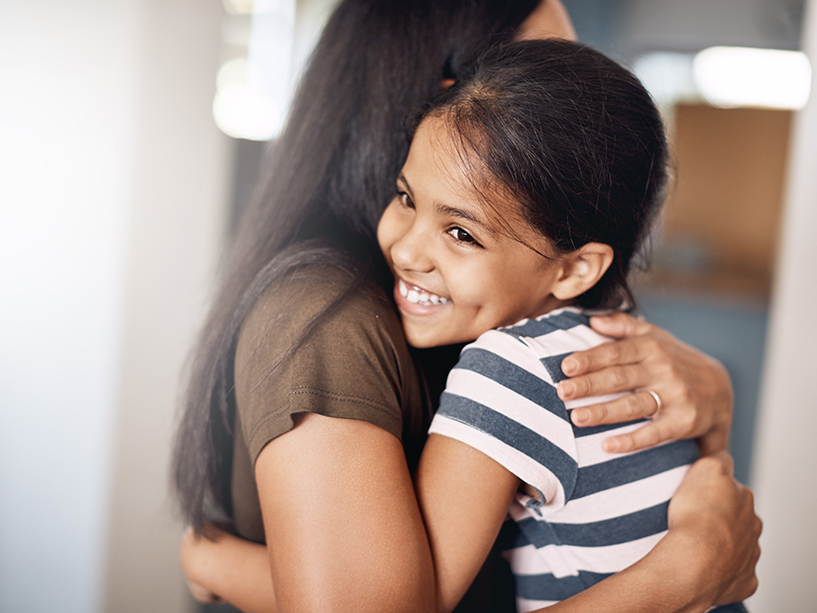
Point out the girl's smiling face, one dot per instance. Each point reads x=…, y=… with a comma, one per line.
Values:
x=459, y=271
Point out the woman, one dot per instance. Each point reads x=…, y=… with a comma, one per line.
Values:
x=301, y=335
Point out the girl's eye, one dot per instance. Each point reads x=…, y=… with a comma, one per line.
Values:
x=405, y=200
x=462, y=236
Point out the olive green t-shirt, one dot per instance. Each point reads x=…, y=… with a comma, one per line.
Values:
x=355, y=364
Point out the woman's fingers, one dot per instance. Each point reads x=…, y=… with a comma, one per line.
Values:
x=726, y=463
x=667, y=423
x=616, y=353
x=694, y=390
x=627, y=408
x=649, y=435
x=619, y=325
x=611, y=380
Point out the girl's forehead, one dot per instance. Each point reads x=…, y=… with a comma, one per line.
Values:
x=445, y=163
x=443, y=166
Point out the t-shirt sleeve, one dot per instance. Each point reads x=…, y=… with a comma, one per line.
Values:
x=352, y=365
x=500, y=400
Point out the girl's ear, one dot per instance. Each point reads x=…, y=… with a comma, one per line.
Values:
x=582, y=269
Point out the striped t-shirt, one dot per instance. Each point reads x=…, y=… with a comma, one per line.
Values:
x=583, y=514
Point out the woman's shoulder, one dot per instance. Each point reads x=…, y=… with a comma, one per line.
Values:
x=336, y=297
x=321, y=340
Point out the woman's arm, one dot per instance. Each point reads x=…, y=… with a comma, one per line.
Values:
x=695, y=391
x=343, y=529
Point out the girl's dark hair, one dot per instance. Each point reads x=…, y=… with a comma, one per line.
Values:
x=328, y=178
x=574, y=138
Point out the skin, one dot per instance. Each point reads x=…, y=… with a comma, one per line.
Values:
x=548, y=20
x=710, y=510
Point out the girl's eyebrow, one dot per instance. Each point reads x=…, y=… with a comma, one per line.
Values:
x=450, y=211
x=402, y=179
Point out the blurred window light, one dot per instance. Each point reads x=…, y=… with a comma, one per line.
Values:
x=238, y=7
x=739, y=76
x=667, y=76
x=253, y=93
x=239, y=110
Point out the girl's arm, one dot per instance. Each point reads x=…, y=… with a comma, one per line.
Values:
x=703, y=559
x=221, y=567
x=707, y=557
x=695, y=391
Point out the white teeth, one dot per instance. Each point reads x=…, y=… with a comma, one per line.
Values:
x=418, y=296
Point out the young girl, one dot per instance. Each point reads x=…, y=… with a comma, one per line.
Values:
x=527, y=191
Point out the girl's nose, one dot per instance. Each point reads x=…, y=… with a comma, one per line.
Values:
x=411, y=252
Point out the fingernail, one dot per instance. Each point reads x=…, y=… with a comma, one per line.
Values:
x=580, y=416
x=609, y=445
x=569, y=366
x=566, y=389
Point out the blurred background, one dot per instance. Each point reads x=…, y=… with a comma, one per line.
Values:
x=131, y=132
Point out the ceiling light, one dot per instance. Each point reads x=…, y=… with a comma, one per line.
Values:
x=740, y=76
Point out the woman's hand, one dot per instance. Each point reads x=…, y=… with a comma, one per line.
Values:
x=694, y=389
x=716, y=514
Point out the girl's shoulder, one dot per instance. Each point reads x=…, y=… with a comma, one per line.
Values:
x=538, y=345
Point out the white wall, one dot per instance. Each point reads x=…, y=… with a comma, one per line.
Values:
x=176, y=222
x=786, y=453
x=111, y=190
x=66, y=140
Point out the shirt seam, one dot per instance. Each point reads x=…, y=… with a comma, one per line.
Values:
x=304, y=389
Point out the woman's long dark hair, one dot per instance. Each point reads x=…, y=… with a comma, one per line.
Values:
x=328, y=178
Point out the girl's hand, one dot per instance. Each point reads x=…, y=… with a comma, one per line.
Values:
x=717, y=514
x=194, y=556
x=695, y=391
x=220, y=567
